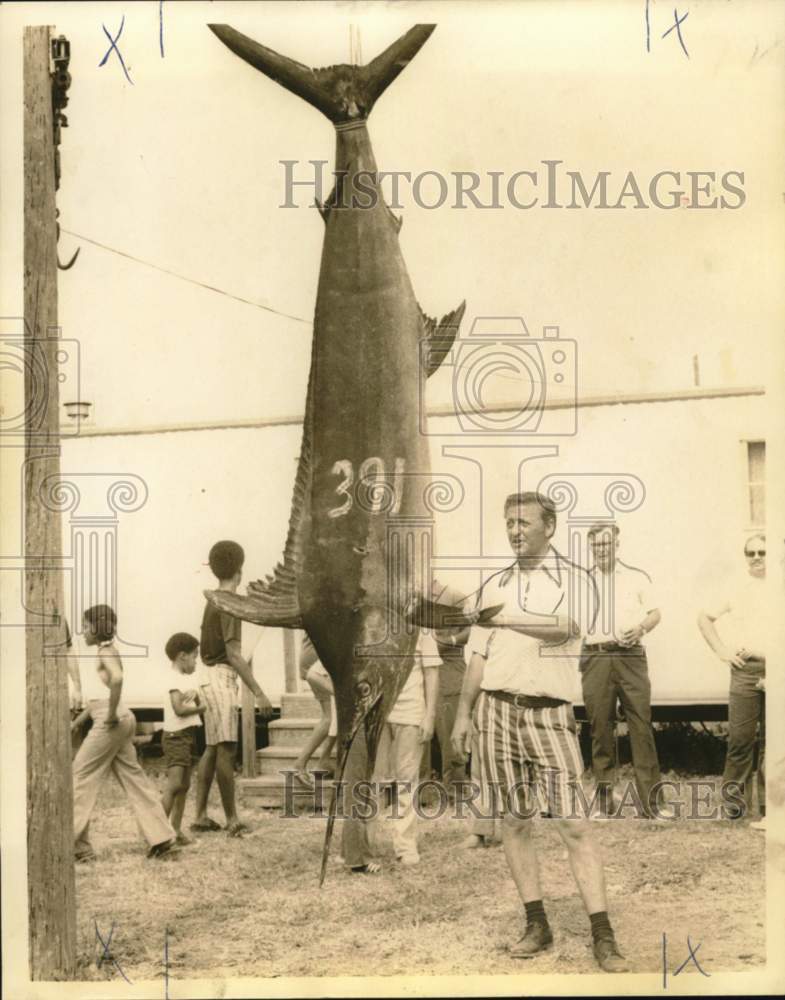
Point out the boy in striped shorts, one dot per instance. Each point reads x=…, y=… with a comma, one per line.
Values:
x=522, y=676
x=220, y=645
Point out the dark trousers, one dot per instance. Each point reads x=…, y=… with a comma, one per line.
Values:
x=746, y=710
x=606, y=677
x=453, y=768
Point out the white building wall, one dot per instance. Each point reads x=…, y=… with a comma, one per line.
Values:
x=687, y=532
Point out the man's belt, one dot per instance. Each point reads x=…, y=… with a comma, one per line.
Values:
x=611, y=647
x=527, y=700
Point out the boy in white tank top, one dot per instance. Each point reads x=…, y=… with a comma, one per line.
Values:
x=109, y=746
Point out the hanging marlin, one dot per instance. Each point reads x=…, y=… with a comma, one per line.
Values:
x=351, y=573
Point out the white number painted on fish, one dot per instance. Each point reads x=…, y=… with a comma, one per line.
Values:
x=343, y=468
x=371, y=478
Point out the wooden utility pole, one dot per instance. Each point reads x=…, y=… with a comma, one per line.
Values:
x=50, y=823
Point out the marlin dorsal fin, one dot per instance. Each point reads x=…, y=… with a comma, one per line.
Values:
x=274, y=601
x=440, y=336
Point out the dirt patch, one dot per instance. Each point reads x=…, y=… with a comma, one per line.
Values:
x=252, y=906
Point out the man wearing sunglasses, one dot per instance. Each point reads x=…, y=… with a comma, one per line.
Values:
x=736, y=629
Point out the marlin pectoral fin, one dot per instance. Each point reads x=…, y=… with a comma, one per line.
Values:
x=488, y=614
x=431, y=614
x=440, y=337
x=256, y=608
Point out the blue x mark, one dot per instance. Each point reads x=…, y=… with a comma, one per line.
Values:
x=678, y=21
x=106, y=955
x=113, y=47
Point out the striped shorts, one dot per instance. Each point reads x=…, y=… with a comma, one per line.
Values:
x=529, y=758
x=220, y=697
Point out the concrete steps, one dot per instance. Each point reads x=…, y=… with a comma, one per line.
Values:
x=299, y=706
x=290, y=732
x=270, y=789
x=270, y=792
x=272, y=760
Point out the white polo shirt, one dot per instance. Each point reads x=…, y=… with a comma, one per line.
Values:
x=520, y=664
x=744, y=617
x=409, y=709
x=626, y=596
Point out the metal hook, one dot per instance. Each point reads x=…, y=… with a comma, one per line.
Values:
x=71, y=262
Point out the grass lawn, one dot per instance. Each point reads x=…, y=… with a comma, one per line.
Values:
x=252, y=906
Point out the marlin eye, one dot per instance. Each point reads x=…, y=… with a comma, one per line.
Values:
x=363, y=689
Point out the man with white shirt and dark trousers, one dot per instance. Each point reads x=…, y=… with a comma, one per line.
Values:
x=736, y=627
x=523, y=676
x=614, y=668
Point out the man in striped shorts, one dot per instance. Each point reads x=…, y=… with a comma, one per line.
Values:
x=522, y=677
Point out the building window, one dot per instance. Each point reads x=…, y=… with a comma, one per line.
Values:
x=756, y=483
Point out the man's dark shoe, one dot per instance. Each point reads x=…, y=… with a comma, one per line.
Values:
x=608, y=956
x=168, y=849
x=536, y=938
x=473, y=841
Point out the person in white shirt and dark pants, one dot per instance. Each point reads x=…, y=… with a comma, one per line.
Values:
x=736, y=628
x=614, y=668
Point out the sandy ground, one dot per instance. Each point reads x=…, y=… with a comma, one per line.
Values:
x=252, y=907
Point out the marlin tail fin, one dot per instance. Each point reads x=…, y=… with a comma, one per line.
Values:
x=342, y=93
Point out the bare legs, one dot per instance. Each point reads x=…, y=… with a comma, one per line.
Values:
x=178, y=781
x=322, y=687
x=217, y=761
x=582, y=850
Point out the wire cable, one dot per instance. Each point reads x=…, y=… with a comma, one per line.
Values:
x=182, y=277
